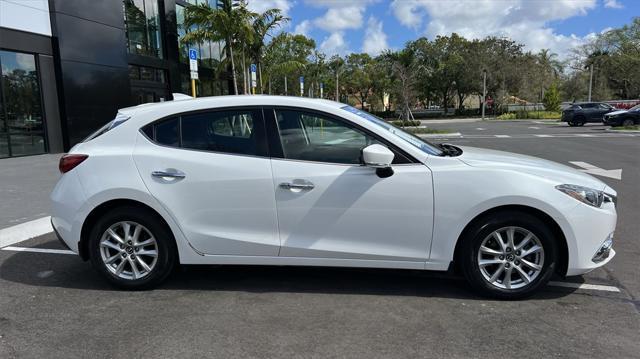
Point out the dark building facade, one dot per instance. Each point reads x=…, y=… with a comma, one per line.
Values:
x=66, y=78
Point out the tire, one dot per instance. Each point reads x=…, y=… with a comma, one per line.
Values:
x=580, y=121
x=481, y=232
x=154, y=247
x=572, y=123
x=628, y=122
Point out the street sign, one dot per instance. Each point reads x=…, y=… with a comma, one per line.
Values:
x=301, y=85
x=253, y=69
x=193, y=60
x=194, y=75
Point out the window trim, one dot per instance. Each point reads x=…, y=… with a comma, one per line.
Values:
x=275, y=143
x=262, y=146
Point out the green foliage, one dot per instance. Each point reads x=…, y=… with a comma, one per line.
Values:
x=426, y=130
x=507, y=116
x=406, y=123
x=551, y=98
x=530, y=115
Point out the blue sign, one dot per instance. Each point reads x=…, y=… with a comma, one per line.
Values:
x=253, y=68
x=301, y=79
x=193, y=54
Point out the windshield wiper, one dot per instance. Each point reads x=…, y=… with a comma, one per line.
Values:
x=450, y=150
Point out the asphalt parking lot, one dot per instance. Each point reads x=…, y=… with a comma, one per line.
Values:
x=54, y=305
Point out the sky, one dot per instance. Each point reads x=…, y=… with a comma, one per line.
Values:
x=372, y=26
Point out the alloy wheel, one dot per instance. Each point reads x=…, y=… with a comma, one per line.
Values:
x=129, y=250
x=510, y=257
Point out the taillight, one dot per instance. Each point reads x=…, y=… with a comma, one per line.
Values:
x=69, y=162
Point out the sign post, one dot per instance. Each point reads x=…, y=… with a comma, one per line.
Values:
x=321, y=90
x=254, y=83
x=301, y=86
x=193, y=69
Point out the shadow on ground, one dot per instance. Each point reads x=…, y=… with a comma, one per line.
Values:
x=67, y=271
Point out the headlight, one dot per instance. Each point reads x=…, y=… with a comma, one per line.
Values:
x=590, y=196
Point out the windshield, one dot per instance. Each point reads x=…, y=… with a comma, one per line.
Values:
x=406, y=136
x=635, y=108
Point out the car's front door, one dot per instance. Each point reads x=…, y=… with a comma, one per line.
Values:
x=211, y=171
x=330, y=206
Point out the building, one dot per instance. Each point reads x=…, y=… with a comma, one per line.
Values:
x=66, y=66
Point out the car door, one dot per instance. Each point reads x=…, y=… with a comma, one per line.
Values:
x=598, y=114
x=211, y=171
x=331, y=206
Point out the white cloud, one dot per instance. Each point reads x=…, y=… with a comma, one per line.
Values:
x=375, y=39
x=263, y=5
x=521, y=20
x=303, y=28
x=613, y=4
x=341, y=18
x=334, y=44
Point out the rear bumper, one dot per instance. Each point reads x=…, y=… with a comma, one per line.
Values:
x=67, y=200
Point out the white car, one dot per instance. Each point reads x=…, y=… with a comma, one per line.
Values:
x=266, y=180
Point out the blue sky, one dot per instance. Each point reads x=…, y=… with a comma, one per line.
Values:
x=344, y=26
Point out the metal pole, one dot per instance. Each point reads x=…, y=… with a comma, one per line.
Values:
x=285, y=85
x=484, y=91
x=337, y=97
x=193, y=88
x=590, y=81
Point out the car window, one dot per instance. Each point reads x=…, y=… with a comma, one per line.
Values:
x=588, y=105
x=313, y=137
x=168, y=132
x=604, y=106
x=220, y=131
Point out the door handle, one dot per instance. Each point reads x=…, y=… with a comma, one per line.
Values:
x=301, y=186
x=165, y=174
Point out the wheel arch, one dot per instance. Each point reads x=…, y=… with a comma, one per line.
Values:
x=98, y=211
x=553, y=225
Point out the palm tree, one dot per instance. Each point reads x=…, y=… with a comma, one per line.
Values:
x=262, y=26
x=225, y=23
x=336, y=64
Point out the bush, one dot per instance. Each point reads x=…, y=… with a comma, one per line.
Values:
x=405, y=123
x=551, y=99
x=507, y=116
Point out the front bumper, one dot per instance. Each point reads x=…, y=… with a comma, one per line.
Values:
x=591, y=241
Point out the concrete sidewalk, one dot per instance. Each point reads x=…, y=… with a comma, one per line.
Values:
x=25, y=184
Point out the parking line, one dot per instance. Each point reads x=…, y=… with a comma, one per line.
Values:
x=543, y=135
x=502, y=136
x=23, y=231
x=605, y=288
x=37, y=250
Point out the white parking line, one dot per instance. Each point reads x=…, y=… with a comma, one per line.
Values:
x=37, y=250
x=605, y=288
x=534, y=128
x=543, y=135
x=584, y=135
x=23, y=231
x=502, y=136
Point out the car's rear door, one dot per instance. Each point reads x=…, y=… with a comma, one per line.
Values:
x=330, y=206
x=211, y=171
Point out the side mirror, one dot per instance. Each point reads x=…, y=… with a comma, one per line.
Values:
x=380, y=158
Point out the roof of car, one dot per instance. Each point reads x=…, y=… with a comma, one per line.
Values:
x=229, y=101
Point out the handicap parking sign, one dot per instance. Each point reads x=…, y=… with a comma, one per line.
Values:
x=193, y=54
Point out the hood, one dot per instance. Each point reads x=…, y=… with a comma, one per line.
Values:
x=552, y=171
x=616, y=112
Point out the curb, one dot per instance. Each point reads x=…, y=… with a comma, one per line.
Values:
x=437, y=135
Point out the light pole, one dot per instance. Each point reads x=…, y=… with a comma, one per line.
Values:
x=590, y=81
x=484, y=90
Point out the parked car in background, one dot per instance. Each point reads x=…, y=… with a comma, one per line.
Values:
x=580, y=113
x=625, y=118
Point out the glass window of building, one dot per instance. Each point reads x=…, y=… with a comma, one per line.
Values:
x=21, y=120
x=142, y=23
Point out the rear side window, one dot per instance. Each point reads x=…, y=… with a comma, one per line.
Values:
x=228, y=131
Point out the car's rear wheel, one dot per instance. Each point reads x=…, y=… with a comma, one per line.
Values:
x=508, y=255
x=132, y=248
x=628, y=122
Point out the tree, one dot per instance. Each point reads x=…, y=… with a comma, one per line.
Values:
x=358, y=77
x=286, y=56
x=262, y=26
x=404, y=67
x=224, y=23
x=551, y=98
x=336, y=65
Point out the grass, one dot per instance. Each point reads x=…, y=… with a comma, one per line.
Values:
x=531, y=115
x=426, y=130
x=626, y=128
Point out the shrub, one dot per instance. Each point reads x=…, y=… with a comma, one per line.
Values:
x=551, y=98
x=507, y=116
x=405, y=123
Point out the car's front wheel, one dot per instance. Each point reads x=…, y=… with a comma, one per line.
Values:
x=132, y=248
x=508, y=255
x=628, y=122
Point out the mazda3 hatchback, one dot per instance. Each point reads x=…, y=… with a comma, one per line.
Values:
x=266, y=180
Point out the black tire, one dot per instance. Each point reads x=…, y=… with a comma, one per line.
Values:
x=166, y=249
x=572, y=123
x=628, y=122
x=481, y=229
